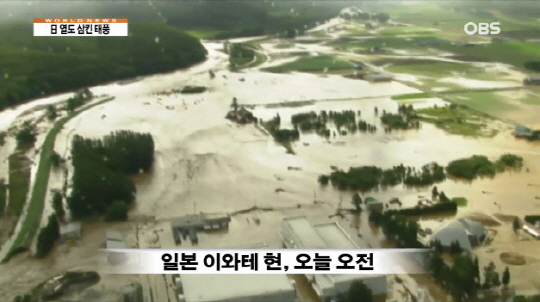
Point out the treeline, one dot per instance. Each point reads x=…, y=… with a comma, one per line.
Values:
x=479, y=165
x=366, y=178
x=406, y=118
x=244, y=19
x=397, y=228
x=345, y=121
x=442, y=207
x=532, y=219
x=281, y=135
x=47, y=237
x=102, y=168
x=37, y=66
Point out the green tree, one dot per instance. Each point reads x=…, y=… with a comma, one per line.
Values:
x=47, y=236
x=51, y=112
x=516, y=224
x=359, y=292
x=506, y=277
x=117, y=211
x=55, y=159
x=58, y=205
x=25, y=135
x=491, y=276
x=357, y=201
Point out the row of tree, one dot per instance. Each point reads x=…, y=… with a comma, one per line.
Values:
x=365, y=178
x=462, y=277
x=101, y=171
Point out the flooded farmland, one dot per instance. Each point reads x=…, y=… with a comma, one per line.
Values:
x=206, y=163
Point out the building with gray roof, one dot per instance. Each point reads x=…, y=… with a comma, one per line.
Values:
x=233, y=288
x=466, y=232
x=299, y=233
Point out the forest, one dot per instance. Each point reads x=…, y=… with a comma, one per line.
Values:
x=101, y=172
x=36, y=66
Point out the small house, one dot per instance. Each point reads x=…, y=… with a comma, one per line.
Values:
x=532, y=80
x=532, y=229
x=374, y=205
x=70, y=230
x=378, y=77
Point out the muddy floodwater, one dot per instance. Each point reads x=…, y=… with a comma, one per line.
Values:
x=205, y=163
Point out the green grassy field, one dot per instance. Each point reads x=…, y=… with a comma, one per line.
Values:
x=3, y=191
x=488, y=102
x=456, y=120
x=409, y=96
x=461, y=201
x=317, y=63
x=19, y=182
x=434, y=68
x=32, y=218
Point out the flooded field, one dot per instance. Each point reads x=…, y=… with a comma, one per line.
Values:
x=205, y=163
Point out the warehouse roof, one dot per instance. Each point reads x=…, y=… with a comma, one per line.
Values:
x=199, y=288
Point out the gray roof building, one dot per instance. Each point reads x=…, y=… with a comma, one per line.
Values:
x=233, y=288
x=299, y=233
x=466, y=232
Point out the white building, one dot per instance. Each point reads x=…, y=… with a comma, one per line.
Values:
x=298, y=232
x=236, y=288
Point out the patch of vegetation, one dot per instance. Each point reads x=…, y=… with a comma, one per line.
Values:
x=406, y=118
x=532, y=219
x=455, y=119
x=3, y=191
x=312, y=64
x=244, y=19
x=345, y=122
x=19, y=182
x=397, y=228
x=479, y=165
x=460, y=201
x=367, y=178
x=193, y=89
x=240, y=54
x=282, y=136
x=117, y=211
x=443, y=207
x=465, y=271
x=47, y=237
x=101, y=168
x=78, y=99
x=26, y=136
x=57, y=204
x=32, y=218
x=408, y=96
x=34, y=66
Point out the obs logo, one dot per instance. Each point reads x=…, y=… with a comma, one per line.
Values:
x=482, y=29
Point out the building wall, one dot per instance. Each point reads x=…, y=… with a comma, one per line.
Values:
x=285, y=296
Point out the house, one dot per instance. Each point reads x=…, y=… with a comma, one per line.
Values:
x=200, y=222
x=528, y=132
x=114, y=240
x=467, y=233
x=378, y=77
x=532, y=229
x=532, y=80
x=374, y=205
x=70, y=230
x=299, y=233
